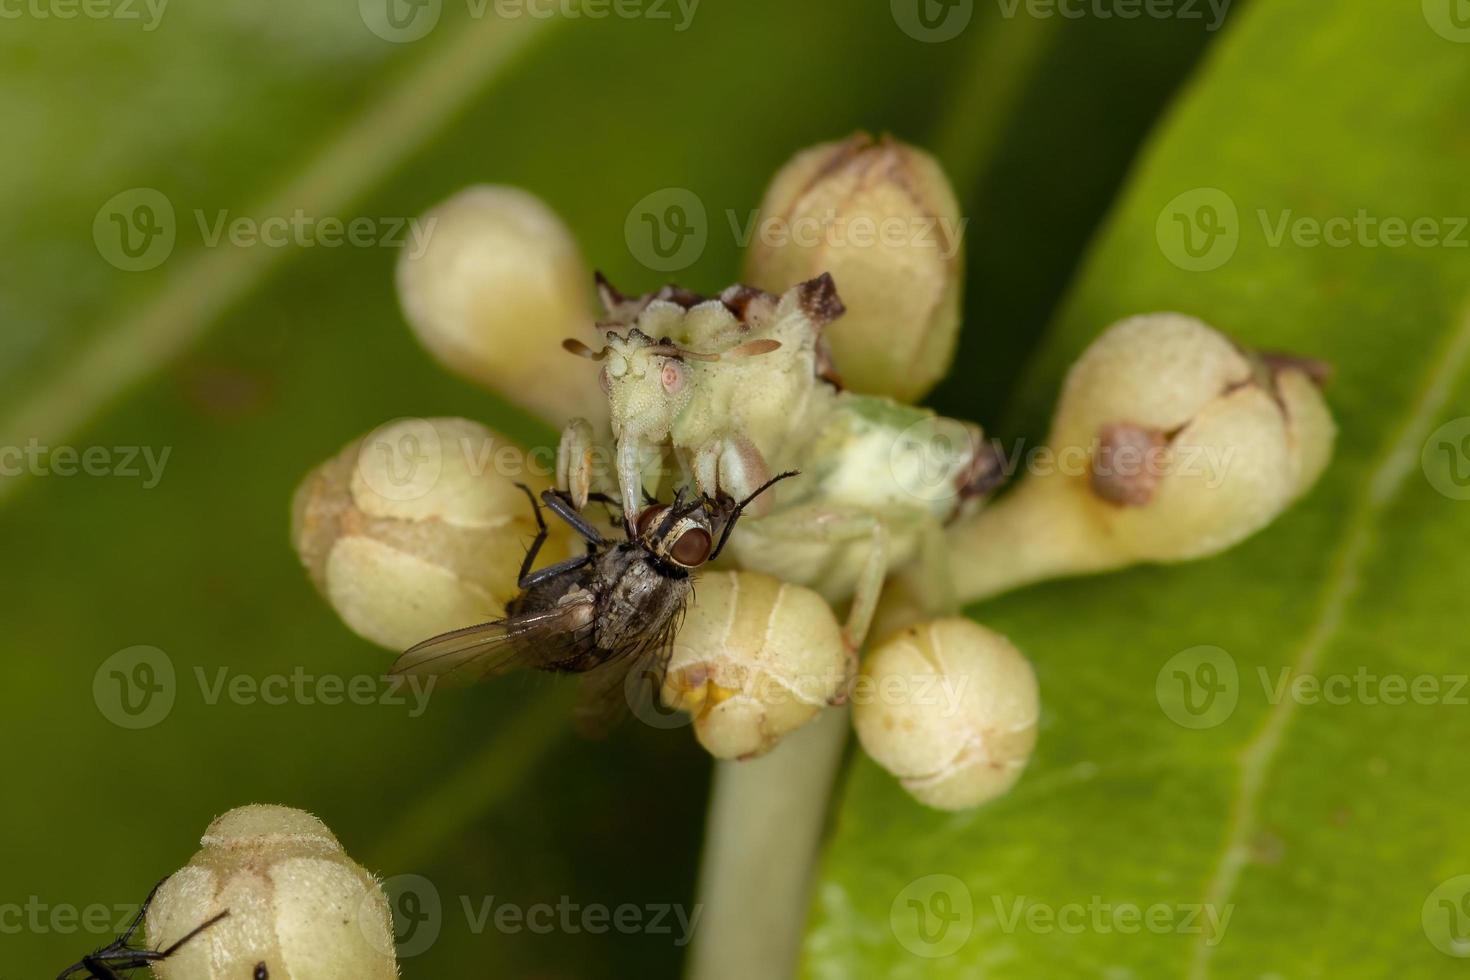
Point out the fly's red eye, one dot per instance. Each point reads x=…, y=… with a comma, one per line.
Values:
x=649, y=519
x=692, y=548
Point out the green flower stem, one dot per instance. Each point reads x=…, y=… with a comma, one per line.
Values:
x=763, y=834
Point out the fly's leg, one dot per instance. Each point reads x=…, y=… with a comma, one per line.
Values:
x=563, y=508
x=541, y=533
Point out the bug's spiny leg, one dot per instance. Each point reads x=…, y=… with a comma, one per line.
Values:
x=866, y=593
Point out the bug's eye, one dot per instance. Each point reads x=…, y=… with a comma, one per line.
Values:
x=671, y=376
x=692, y=548
x=261, y=973
x=649, y=519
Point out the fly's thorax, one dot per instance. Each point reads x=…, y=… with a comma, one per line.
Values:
x=640, y=604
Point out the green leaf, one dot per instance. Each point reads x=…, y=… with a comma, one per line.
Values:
x=1323, y=829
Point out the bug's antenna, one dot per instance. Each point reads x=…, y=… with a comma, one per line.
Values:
x=574, y=346
x=735, y=514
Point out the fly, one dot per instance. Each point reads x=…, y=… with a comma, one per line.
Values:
x=610, y=613
x=120, y=955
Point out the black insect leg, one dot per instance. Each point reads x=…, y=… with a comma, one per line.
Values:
x=552, y=571
x=562, y=507
x=96, y=970
x=541, y=533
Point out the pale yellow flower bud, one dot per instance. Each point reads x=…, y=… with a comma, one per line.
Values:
x=881, y=217
x=499, y=286
x=755, y=660
x=951, y=709
x=299, y=908
x=418, y=528
x=1169, y=443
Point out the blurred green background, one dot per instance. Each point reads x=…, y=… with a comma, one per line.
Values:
x=1067, y=138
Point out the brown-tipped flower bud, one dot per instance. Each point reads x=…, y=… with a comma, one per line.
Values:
x=299, y=908
x=500, y=284
x=755, y=660
x=418, y=528
x=1169, y=444
x=881, y=217
x=951, y=709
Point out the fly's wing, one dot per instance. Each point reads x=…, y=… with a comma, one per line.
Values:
x=629, y=682
x=543, y=640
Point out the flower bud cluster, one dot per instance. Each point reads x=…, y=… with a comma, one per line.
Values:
x=298, y=907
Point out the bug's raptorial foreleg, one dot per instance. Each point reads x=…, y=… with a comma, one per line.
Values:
x=574, y=456
x=630, y=478
x=735, y=468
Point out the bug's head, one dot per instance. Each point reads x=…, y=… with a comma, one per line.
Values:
x=659, y=350
x=678, y=533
